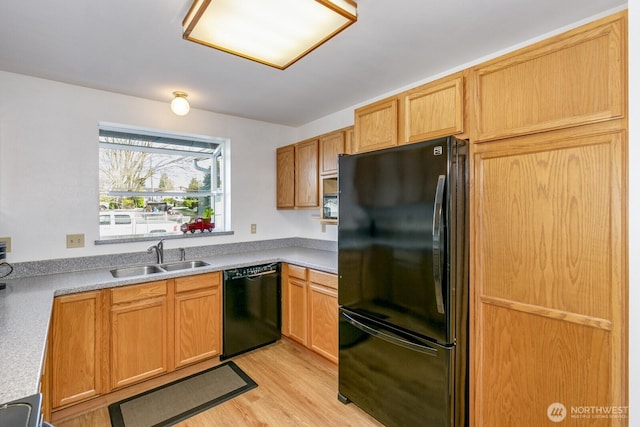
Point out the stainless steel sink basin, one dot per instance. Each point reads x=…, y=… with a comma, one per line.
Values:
x=139, y=270
x=184, y=265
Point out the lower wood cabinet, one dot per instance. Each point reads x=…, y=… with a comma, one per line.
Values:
x=139, y=333
x=323, y=314
x=197, y=318
x=77, y=349
x=310, y=309
x=295, y=303
x=103, y=340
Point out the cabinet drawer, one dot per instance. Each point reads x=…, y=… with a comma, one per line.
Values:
x=138, y=292
x=322, y=278
x=201, y=281
x=297, y=271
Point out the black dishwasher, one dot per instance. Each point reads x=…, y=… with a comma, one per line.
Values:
x=250, y=308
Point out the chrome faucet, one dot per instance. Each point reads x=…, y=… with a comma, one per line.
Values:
x=159, y=248
x=183, y=256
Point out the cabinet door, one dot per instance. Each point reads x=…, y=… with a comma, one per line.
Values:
x=576, y=78
x=549, y=260
x=139, y=333
x=330, y=147
x=433, y=110
x=285, y=170
x=306, y=172
x=297, y=303
x=78, y=348
x=376, y=126
x=198, y=319
x=323, y=314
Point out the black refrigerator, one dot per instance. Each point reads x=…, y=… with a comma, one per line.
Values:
x=403, y=283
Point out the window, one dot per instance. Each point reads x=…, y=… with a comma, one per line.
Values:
x=153, y=182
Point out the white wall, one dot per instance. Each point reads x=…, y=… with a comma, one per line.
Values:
x=49, y=167
x=634, y=213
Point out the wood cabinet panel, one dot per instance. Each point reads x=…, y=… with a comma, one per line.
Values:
x=297, y=309
x=285, y=180
x=198, y=281
x=376, y=126
x=197, y=325
x=297, y=271
x=433, y=110
x=544, y=362
x=324, y=279
x=139, y=335
x=331, y=146
x=547, y=221
x=138, y=292
x=323, y=316
x=306, y=172
x=77, y=349
x=572, y=79
x=549, y=272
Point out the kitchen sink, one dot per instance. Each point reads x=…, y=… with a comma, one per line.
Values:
x=140, y=270
x=143, y=270
x=184, y=265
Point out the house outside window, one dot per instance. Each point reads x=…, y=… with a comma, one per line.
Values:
x=153, y=182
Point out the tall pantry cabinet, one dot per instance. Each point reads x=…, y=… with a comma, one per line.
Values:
x=548, y=246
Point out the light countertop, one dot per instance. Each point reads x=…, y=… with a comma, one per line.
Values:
x=26, y=304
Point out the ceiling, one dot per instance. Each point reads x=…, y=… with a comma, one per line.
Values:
x=135, y=47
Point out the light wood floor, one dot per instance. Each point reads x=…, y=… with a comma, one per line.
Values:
x=295, y=388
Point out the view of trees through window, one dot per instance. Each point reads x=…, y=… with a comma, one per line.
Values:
x=152, y=183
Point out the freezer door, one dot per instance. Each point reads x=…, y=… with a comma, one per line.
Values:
x=395, y=236
x=398, y=380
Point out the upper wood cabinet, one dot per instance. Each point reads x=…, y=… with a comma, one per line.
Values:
x=297, y=175
x=306, y=172
x=79, y=348
x=331, y=145
x=432, y=110
x=568, y=80
x=376, y=126
x=285, y=170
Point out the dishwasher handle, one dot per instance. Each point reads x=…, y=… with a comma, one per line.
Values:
x=255, y=276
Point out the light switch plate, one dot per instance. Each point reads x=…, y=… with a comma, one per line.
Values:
x=75, y=240
x=7, y=241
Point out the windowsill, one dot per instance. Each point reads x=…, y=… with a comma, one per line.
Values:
x=122, y=239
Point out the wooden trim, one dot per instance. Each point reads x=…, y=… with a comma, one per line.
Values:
x=551, y=313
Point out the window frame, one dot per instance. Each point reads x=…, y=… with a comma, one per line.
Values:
x=222, y=145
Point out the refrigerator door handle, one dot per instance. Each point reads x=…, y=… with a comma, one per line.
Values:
x=436, y=233
x=390, y=338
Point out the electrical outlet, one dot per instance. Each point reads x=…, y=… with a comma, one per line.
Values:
x=75, y=240
x=7, y=242
x=323, y=228
x=253, y=229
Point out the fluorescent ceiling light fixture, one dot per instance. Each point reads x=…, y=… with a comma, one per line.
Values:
x=273, y=32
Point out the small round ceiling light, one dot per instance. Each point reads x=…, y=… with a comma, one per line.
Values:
x=179, y=104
